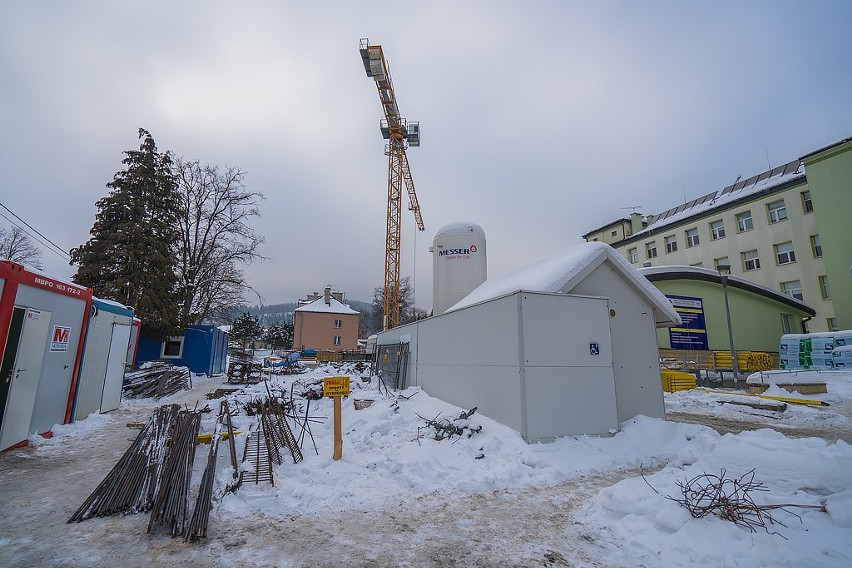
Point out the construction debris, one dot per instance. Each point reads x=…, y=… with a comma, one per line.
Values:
x=264, y=444
x=445, y=428
x=156, y=379
x=170, y=502
x=204, y=500
x=131, y=484
x=730, y=499
x=243, y=368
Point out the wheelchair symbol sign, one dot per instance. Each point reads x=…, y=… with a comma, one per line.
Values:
x=594, y=349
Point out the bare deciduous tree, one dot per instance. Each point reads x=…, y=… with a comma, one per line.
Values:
x=216, y=238
x=16, y=245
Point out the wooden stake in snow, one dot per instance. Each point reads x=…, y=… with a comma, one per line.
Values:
x=336, y=387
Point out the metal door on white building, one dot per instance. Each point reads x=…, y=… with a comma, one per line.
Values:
x=115, y=367
x=20, y=372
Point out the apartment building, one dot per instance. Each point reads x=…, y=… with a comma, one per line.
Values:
x=787, y=228
x=325, y=323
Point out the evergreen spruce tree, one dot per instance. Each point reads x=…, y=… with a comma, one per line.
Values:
x=131, y=256
x=246, y=329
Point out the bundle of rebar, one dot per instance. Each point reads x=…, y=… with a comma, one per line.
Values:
x=129, y=487
x=156, y=381
x=204, y=500
x=170, y=501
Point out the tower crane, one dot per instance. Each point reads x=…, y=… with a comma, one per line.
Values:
x=400, y=134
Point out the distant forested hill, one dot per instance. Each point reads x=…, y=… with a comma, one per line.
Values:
x=274, y=313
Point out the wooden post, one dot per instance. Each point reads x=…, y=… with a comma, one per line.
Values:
x=338, y=430
x=336, y=388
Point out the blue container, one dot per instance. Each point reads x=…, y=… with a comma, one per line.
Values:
x=202, y=348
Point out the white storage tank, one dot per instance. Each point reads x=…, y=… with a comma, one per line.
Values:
x=459, y=263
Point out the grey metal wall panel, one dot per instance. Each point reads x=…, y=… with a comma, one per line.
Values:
x=470, y=357
x=494, y=390
x=636, y=361
x=484, y=334
x=567, y=401
x=560, y=330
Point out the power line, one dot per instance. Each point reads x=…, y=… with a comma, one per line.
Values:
x=43, y=240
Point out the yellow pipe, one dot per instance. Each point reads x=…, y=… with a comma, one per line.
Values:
x=780, y=398
x=206, y=438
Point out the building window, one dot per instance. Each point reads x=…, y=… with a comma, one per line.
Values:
x=832, y=324
x=613, y=234
x=824, y=288
x=337, y=340
x=717, y=230
x=816, y=247
x=744, y=222
x=172, y=348
x=671, y=244
x=651, y=250
x=785, y=324
x=338, y=323
x=777, y=211
x=692, y=238
x=633, y=255
x=723, y=260
x=784, y=253
x=793, y=288
x=750, y=260
x=807, y=204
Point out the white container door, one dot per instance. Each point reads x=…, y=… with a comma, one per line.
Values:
x=115, y=367
x=24, y=375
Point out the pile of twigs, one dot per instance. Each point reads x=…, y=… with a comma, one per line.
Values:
x=446, y=428
x=730, y=499
x=156, y=380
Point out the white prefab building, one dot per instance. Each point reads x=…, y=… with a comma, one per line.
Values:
x=565, y=346
x=105, y=352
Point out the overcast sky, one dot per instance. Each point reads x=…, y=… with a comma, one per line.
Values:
x=540, y=120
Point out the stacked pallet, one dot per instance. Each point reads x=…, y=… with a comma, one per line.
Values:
x=243, y=368
x=746, y=360
x=675, y=381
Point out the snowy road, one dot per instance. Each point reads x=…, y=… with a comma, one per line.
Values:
x=461, y=511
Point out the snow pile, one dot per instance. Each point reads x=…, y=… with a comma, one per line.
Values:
x=654, y=529
x=392, y=461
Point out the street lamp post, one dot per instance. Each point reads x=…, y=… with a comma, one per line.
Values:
x=724, y=272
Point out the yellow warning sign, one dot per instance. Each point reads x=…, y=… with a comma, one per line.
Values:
x=335, y=386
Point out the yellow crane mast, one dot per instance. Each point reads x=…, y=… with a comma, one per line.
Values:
x=400, y=134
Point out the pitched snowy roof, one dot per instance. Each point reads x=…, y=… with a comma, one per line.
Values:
x=715, y=200
x=333, y=307
x=562, y=272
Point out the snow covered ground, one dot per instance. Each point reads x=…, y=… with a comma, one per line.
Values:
x=401, y=498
